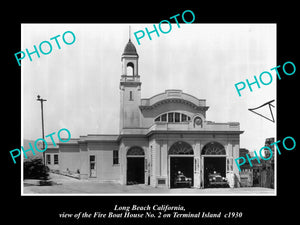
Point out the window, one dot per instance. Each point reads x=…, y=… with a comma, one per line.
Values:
x=115, y=157
x=92, y=158
x=172, y=117
x=48, y=159
x=181, y=148
x=213, y=148
x=164, y=118
x=55, y=159
x=177, y=117
x=130, y=96
x=135, y=151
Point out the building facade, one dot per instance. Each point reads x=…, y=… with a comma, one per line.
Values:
x=158, y=137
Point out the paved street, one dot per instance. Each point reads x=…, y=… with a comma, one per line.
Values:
x=68, y=185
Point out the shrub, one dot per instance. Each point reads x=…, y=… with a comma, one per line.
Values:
x=35, y=169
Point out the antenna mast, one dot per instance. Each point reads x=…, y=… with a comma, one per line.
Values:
x=129, y=32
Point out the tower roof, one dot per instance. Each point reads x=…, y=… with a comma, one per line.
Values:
x=130, y=49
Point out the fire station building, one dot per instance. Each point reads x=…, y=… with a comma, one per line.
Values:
x=158, y=137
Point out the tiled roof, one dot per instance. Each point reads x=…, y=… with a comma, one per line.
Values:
x=130, y=49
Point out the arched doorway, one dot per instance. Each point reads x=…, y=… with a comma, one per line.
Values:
x=135, y=166
x=213, y=161
x=181, y=156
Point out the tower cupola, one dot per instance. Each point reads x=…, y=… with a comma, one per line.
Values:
x=130, y=49
x=130, y=61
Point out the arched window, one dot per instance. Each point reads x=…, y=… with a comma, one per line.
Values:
x=134, y=151
x=129, y=69
x=173, y=117
x=181, y=148
x=213, y=148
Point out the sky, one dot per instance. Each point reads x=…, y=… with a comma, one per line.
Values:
x=81, y=81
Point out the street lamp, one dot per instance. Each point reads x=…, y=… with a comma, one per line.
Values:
x=42, y=100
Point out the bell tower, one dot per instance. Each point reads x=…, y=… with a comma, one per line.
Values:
x=130, y=89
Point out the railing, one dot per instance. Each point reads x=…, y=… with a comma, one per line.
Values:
x=125, y=78
x=207, y=126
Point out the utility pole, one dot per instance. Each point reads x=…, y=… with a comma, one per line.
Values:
x=42, y=112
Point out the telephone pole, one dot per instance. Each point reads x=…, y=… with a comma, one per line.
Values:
x=42, y=112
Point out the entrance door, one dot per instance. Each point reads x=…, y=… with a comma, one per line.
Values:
x=182, y=165
x=214, y=165
x=214, y=161
x=92, y=166
x=181, y=157
x=135, y=170
x=135, y=166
